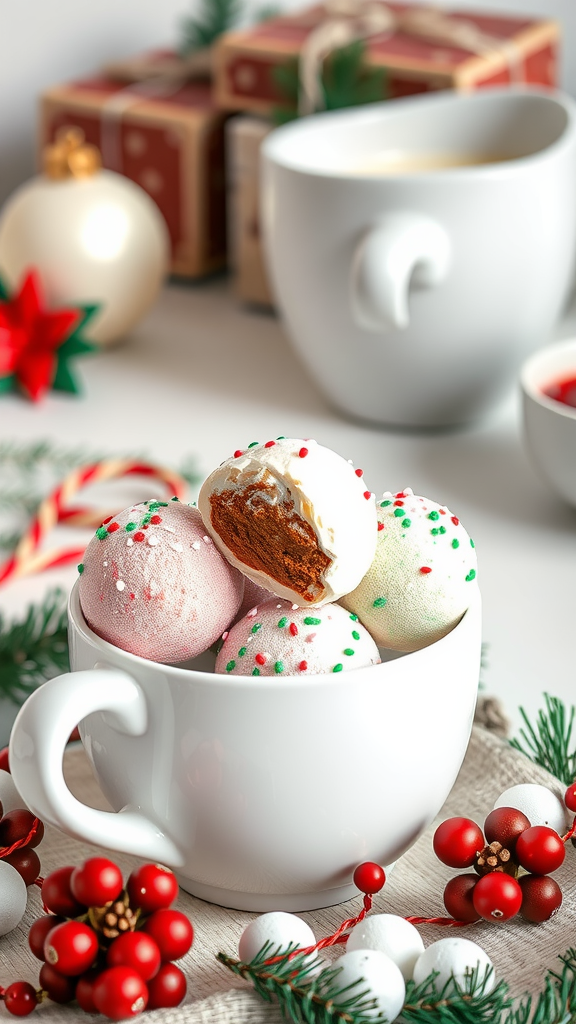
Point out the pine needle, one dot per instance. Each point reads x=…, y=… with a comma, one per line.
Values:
x=34, y=648
x=347, y=81
x=550, y=743
x=214, y=18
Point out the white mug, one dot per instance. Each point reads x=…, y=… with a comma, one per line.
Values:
x=262, y=793
x=549, y=427
x=413, y=295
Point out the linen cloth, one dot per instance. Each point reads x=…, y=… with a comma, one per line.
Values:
x=520, y=951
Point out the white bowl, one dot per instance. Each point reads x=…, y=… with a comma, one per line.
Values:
x=550, y=426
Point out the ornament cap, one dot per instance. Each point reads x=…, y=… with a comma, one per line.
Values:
x=70, y=156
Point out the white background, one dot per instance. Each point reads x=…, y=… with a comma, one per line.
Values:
x=43, y=42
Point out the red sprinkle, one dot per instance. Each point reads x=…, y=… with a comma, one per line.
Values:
x=113, y=527
x=270, y=444
x=238, y=453
x=455, y=520
x=156, y=520
x=110, y=518
x=400, y=504
x=400, y=494
x=442, y=511
x=132, y=596
x=303, y=666
x=380, y=526
x=260, y=659
x=367, y=495
x=424, y=569
x=139, y=535
x=303, y=453
x=293, y=629
x=359, y=472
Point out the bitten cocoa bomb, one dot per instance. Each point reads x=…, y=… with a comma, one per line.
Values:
x=295, y=517
x=153, y=583
x=282, y=639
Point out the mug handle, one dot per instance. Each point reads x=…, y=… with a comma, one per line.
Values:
x=402, y=249
x=37, y=743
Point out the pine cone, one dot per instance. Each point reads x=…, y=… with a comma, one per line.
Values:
x=495, y=857
x=113, y=918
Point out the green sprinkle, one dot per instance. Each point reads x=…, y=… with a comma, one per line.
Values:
x=471, y=575
x=282, y=622
x=311, y=621
x=281, y=438
x=434, y=515
x=101, y=532
x=355, y=634
x=406, y=523
x=230, y=666
x=442, y=529
x=255, y=671
x=379, y=602
x=338, y=667
x=434, y=531
x=153, y=505
x=348, y=651
x=279, y=667
x=472, y=543
x=174, y=498
x=253, y=444
x=399, y=512
x=455, y=543
x=130, y=527
x=353, y=617
x=242, y=652
x=256, y=627
x=384, y=504
x=146, y=520
x=81, y=568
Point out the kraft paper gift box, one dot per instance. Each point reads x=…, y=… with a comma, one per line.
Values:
x=244, y=135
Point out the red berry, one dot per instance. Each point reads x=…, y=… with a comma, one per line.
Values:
x=458, y=898
x=569, y=797
x=59, y=988
x=4, y=760
x=497, y=897
x=26, y=862
x=17, y=824
x=369, y=877
x=541, y=897
x=71, y=947
x=152, y=887
x=457, y=841
x=39, y=932
x=172, y=932
x=57, y=895
x=84, y=991
x=540, y=850
x=20, y=998
x=137, y=950
x=96, y=882
x=120, y=992
x=167, y=988
x=504, y=825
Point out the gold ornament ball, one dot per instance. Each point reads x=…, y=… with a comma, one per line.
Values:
x=94, y=238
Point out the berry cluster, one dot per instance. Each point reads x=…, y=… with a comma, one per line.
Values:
x=499, y=890
x=20, y=832
x=108, y=947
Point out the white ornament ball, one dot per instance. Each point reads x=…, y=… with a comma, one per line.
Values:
x=99, y=239
x=13, y=897
x=392, y=935
x=540, y=805
x=377, y=975
x=9, y=796
x=279, y=929
x=457, y=958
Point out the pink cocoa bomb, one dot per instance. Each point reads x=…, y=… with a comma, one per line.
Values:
x=153, y=583
x=280, y=639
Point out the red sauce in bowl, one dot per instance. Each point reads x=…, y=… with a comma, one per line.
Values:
x=563, y=390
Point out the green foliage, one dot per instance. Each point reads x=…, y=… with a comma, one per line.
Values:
x=34, y=648
x=550, y=742
x=214, y=18
x=347, y=81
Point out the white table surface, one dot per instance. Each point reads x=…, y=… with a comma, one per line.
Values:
x=204, y=375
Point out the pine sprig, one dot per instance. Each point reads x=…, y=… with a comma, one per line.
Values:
x=347, y=81
x=34, y=648
x=214, y=18
x=550, y=743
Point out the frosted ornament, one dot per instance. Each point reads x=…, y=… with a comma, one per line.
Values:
x=9, y=796
x=13, y=896
x=94, y=237
x=457, y=958
x=377, y=976
x=392, y=935
x=280, y=930
x=540, y=805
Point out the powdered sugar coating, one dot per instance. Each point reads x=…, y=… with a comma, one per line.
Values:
x=422, y=577
x=150, y=584
x=280, y=639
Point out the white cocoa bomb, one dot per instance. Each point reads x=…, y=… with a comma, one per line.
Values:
x=422, y=577
x=280, y=639
x=371, y=972
x=293, y=516
x=279, y=929
x=153, y=583
x=392, y=935
x=540, y=805
x=455, y=958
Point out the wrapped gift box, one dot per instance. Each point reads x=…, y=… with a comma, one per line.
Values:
x=244, y=136
x=524, y=49
x=168, y=138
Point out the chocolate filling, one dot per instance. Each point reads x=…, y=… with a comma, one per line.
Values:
x=271, y=537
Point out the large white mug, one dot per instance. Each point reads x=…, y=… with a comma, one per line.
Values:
x=420, y=249
x=262, y=793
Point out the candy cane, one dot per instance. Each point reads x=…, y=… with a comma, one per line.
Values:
x=27, y=558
